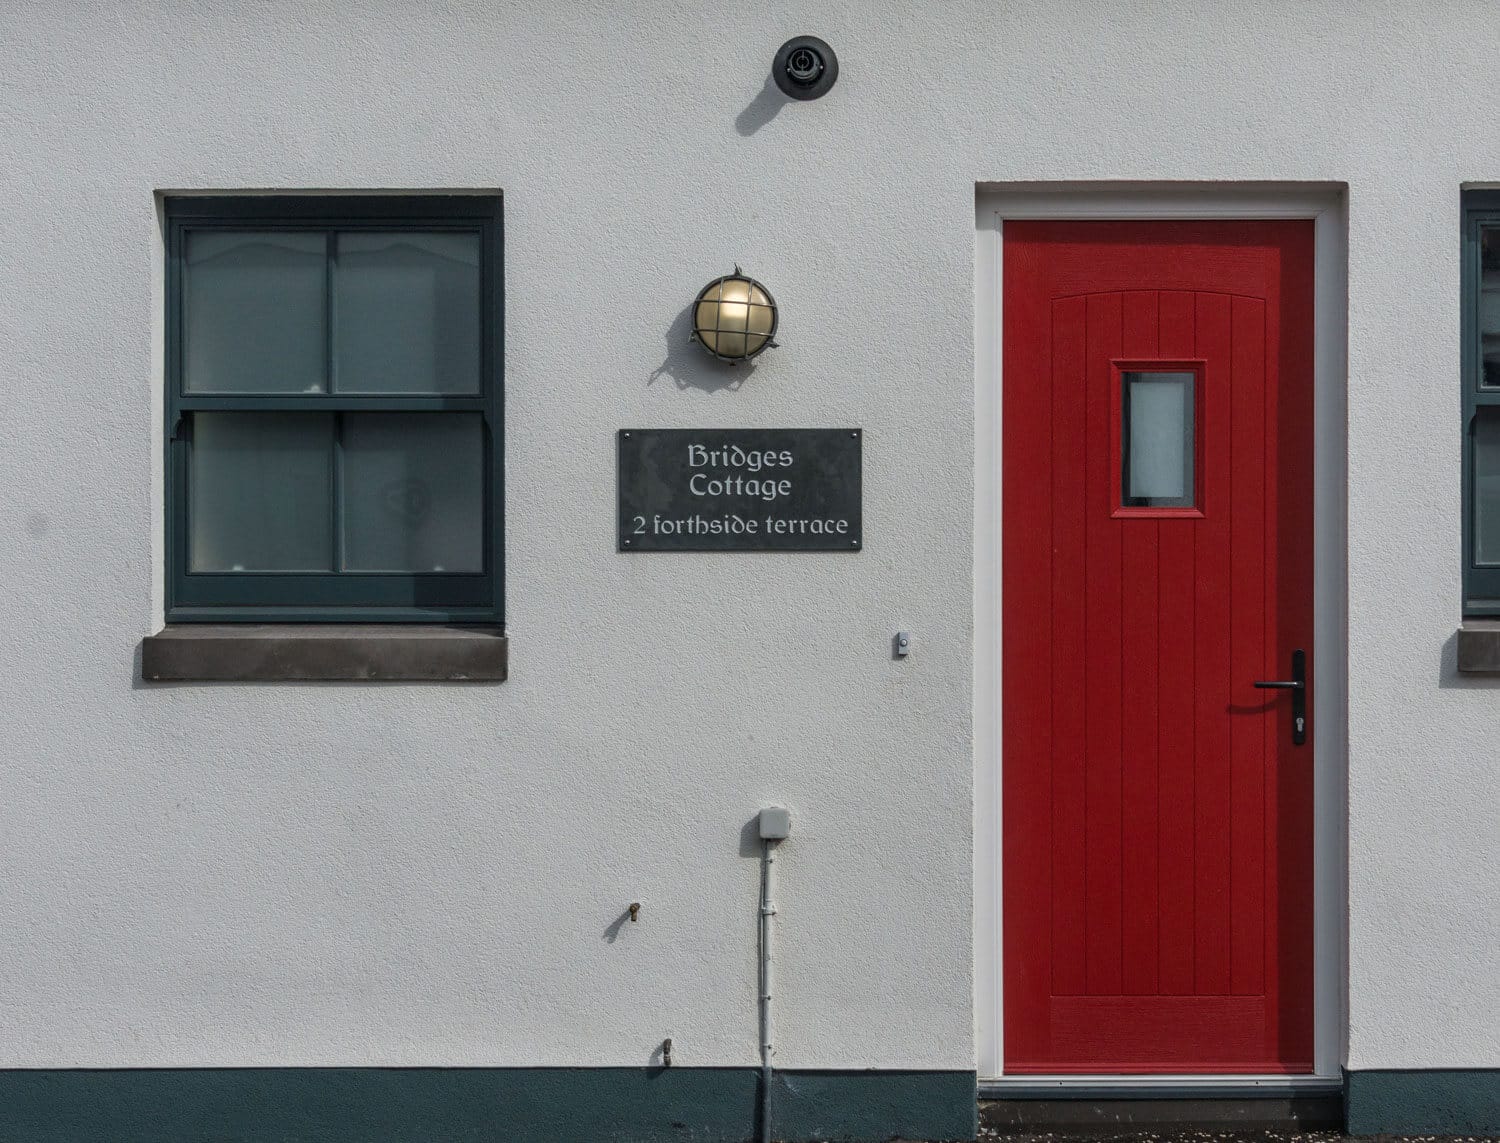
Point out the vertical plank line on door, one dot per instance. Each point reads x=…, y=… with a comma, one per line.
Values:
x=1051, y=633
x=1193, y=769
x=1118, y=412
x=1087, y=659
x=1156, y=328
x=1138, y=788
x=1104, y=685
x=1177, y=716
x=1063, y=755
x=1229, y=664
x=1270, y=771
x=1270, y=734
x=1247, y=840
x=1156, y=761
x=1216, y=574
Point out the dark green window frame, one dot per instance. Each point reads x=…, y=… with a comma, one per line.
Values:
x=337, y=596
x=1481, y=402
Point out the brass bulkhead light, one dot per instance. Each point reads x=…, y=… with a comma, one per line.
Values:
x=735, y=317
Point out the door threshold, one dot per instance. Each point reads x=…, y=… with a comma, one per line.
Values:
x=1120, y=1105
x=1157, y=1087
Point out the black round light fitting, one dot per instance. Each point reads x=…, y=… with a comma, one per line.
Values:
x=805, y=67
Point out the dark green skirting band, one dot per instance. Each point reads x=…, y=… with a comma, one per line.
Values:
x=476, y=1105
x=1449, y=1101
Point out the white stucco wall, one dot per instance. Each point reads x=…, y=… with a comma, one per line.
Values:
x=392, y=874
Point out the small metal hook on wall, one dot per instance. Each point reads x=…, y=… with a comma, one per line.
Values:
x=635, y=911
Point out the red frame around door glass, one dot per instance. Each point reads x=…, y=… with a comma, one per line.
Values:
x=1121, y=366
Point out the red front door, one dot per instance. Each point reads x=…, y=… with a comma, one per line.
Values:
x=1158, y=824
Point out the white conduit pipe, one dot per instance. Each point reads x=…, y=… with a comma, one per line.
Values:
x=767, y=911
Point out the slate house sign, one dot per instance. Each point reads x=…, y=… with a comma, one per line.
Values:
x=740, y=490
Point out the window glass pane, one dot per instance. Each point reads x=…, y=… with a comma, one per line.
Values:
x=260, y=492
x=1157, y=439
x=253, y=312
x=1489, y=305
x=1487, y=488
x=413, y=492
x=406, y=313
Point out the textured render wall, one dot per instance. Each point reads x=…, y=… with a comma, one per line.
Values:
x=417, y=874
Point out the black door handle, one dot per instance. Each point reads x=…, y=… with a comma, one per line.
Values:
x=1297, y=684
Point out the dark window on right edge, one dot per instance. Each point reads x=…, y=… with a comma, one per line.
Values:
x=1481, y=402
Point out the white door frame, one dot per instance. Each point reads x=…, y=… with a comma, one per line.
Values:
x=1325, y=204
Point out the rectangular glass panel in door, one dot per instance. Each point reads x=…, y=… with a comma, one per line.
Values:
x=254, y=312
x=1487, y=487
x=260, y=492
x=406, y=312
x=413, y=492
x=1157, y=440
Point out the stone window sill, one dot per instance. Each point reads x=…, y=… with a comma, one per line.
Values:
x=289, y=652
x=1479, y=647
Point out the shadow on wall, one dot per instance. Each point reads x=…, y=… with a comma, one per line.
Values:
x=690, y=367
x=766, y=105
x=612, y=932
x=750, y=843
x=1449, y=676
x=686, y=363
